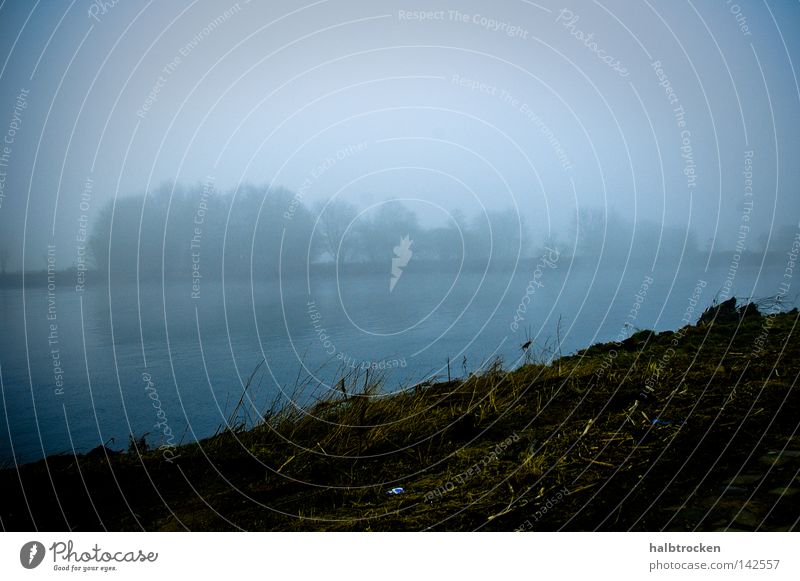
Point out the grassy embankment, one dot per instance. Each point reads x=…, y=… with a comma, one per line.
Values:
x=693, y=429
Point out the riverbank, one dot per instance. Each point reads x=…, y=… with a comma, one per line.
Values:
x=691, y=429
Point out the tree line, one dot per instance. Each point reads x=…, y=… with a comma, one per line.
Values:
x=259, y=231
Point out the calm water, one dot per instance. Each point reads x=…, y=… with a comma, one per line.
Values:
x=95, y=371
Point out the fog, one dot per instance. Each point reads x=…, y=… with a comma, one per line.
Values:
x=675, y=119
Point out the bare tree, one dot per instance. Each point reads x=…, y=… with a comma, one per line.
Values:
x=334, y=219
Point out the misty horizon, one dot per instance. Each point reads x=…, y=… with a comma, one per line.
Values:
x=595, y=232
x=683, y=143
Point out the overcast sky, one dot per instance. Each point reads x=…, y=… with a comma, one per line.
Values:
x=649, y=111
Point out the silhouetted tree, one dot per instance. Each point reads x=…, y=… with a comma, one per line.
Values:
x=334, y=218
